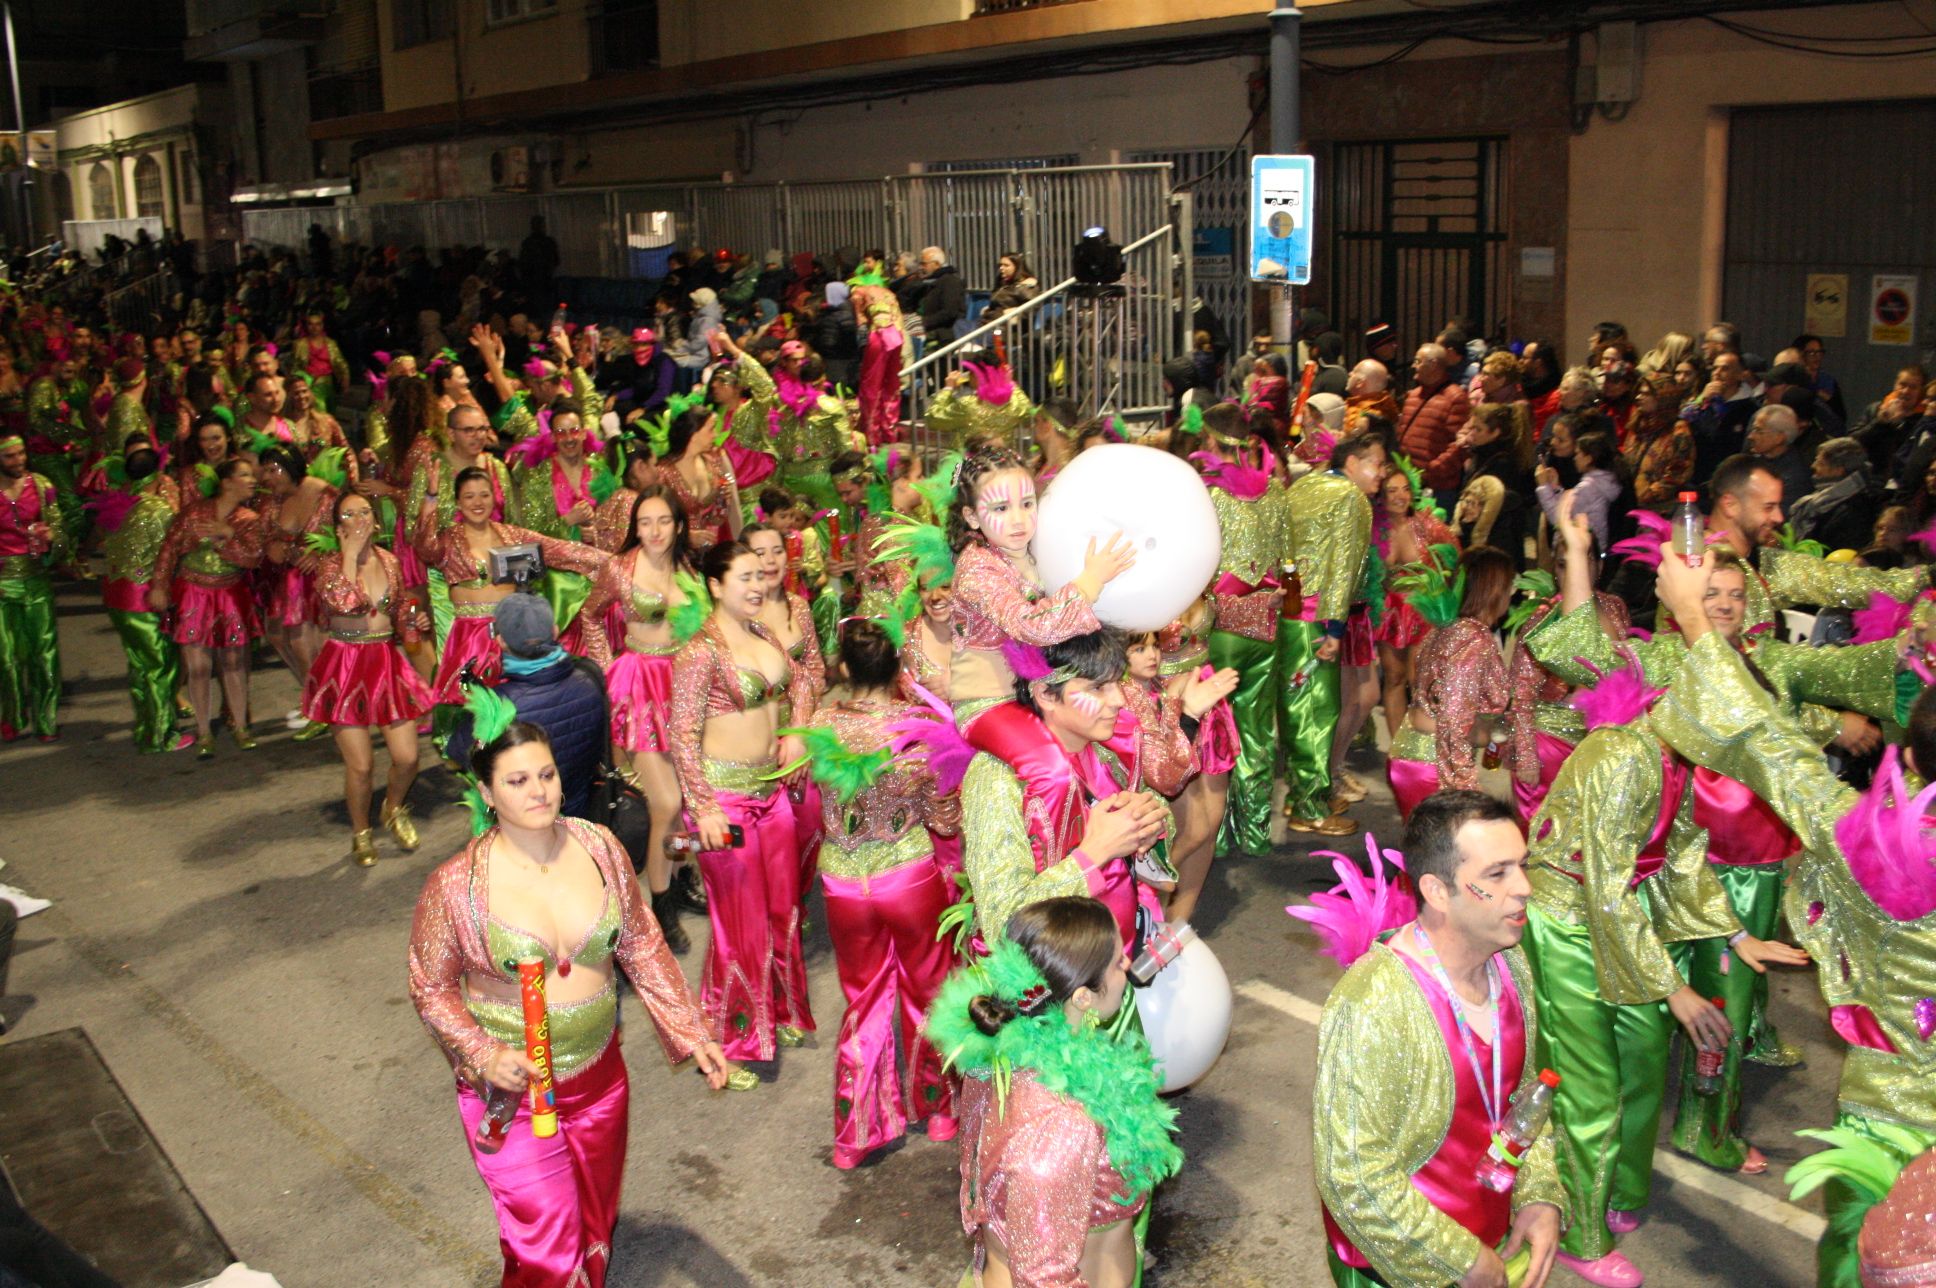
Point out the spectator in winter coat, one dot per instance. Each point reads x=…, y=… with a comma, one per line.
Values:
x=1435, y=410
x=1885, y=426
x=640, y=382
x=1719, y=415
x=1595, y=490
x=944, y=297
x=1840, y=512
x=1493, y=503
x=1328, y=348
x=1771, y=437
x=552, y=690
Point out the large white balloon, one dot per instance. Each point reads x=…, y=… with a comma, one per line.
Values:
x=1159, y=505
x=1186, y=1014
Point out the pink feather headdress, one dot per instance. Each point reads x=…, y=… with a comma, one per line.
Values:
x=1883, y=619
x=1619, y=696
x=1025, y=660
x=932, y=729
x=1890, y=842
x=1351, y=916
x=993, y=384
x=1244, y=482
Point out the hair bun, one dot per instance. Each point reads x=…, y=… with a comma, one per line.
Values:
x=990, y=1012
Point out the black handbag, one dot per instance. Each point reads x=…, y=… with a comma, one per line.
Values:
x=616, y=801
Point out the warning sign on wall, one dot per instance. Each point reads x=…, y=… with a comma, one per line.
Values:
x=1827, y=312
x=1892, y=309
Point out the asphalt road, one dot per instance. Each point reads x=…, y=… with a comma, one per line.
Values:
x=245, y=983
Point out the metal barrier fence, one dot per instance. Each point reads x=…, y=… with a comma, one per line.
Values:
x=87, y=236
x=139, y=305
x=977, y=216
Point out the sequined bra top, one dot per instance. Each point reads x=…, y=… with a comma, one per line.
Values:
x=649, y=606
x=509, y=944
x=581, y=1030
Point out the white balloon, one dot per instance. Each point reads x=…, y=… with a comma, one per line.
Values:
x=1186, y=1014
x=1162, y=509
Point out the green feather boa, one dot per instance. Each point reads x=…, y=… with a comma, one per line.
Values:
x=1113, y=1078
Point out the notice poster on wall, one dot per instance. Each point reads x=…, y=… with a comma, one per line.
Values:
x=1892, y=309
x=1827, y=311
x=1280, y=219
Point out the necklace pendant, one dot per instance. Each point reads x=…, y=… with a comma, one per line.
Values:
x=564, y=968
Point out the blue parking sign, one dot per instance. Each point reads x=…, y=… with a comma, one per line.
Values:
x=1280, y=219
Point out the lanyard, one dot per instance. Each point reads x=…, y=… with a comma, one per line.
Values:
x=1492, y=1098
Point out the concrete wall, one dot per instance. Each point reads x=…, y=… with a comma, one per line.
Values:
x=528, y=54
x=692, y=31
x=1647, y=195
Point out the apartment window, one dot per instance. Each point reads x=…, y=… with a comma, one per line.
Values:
x=100, y=192
x=147, y=187
x=496, y=11
x=418, y=22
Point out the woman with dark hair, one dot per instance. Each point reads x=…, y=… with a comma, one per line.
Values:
x=885, y=893
x=1461, y=677
x=1063, y=1134
x=294, y=504
x=644, y=604
x=199, y=573
x=402, y=436
x=1596, y=487
x=210, y=442
x=360, y=678
x=1658, y=447
x=788, y=618
x=460, y=550
x=1404, y=536
x=311, y=426
x=731, y=692
x=556, y=1196
x=699, y=476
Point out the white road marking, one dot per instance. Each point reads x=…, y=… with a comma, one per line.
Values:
x=1681, y=1171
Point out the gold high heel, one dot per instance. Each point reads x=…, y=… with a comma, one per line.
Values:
x=397, y=819
x=788, y=1036
x=363, y=848
x=742, y=1079
x=243, y=738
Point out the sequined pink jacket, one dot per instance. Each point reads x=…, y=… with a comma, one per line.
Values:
x=1530, y=685
x=340, y=592
x=448, y=941
x=1460, y=677
x=705, y=682
x=242, y=548
x=445, y=548
x=900, y=800
x=1167, y=758
x=993, y=602
x=1036, y=1173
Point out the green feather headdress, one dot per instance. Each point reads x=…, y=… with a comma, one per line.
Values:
x=926, y=544
x=1111, y=1075
x=205, y=480
x=323, y=542
x=1868, y=1161
x=115, y=468
x=491, y=715
x=1536, y=587
x=880, y=488
x=686, y=619
x=835, y=765
x=1421, y=499
x=260, y=442
x=1430, y=589
x=332, y=467
x=1789, y=541
x=938, y=486
x=603, y=482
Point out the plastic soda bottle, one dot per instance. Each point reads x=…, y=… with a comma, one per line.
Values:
x=1525, y=1118
x=1708, y=1065
x=1689, y=530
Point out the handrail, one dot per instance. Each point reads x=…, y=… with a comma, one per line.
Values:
x=986, y=328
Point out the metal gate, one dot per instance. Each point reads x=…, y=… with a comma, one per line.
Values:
x=1790, y=214
x=1419, y=235
x=1220, y=215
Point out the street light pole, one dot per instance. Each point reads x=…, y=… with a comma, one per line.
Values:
x=1287, y=131
x=20, y=135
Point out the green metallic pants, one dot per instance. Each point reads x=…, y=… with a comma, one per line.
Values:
x=1307, y=716
x=437, y=594
x=1247, y=816
x=154, y=673
x=1612, y=1062
x=1704, y=1126
x=30, y=675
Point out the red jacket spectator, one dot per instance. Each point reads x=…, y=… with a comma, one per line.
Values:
x=1435, y=410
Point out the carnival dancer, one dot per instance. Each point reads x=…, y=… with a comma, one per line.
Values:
x=1069, y=817
x=1188, y=746
x=1063, y=1135
x=644, y=604
x=1620, y=872
x=1862, y=897
x=1240, y=471
x=728, y=685
x=128, y=412
x=402, y=436
x=211, y=544
x=296, y=501
x=995, y=410
x=360, y=678
x=320, y=364
x=788, y=619
x=1329, y=530
x=877, y=312
x=808, y=425
x=209, y=442
x=59, y=437
x=32, y=539
x=133, y=515
x=545, y=381
x=558, y=481
x=885, y=896
x=1407, y=534
x=460, y=549
x=312, y=428
x=468, y=437
x=1461, y=678
x=556, y=1195
x=700, y=476
x=1423, y=1047
x=743, y=396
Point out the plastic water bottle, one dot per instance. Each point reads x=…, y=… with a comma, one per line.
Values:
x=1525, y=1119
x=1689, y=531
x=1709, y=1065
x=558, y=316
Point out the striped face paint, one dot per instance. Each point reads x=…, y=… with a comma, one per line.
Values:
x=1005, y=509
x=1087, y=702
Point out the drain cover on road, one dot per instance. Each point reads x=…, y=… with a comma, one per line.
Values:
x=86, y=1167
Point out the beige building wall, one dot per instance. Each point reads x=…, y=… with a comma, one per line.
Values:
x=1648, y=194
x=693, y=31
x=160, y=126
x=530, y=53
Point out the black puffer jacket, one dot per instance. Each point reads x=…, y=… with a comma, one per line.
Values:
x=567, y=700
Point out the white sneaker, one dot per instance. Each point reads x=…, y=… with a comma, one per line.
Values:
x=295, y=720
x=23, y=903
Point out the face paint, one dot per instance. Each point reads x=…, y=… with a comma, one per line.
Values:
x=1086, y=702
x=1477, y=891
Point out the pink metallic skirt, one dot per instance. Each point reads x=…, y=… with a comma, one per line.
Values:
x=1403, y=625
x=221, y=615
x=470, y=641
x=363, y=683
x=640, y=686
x=1358, y=649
